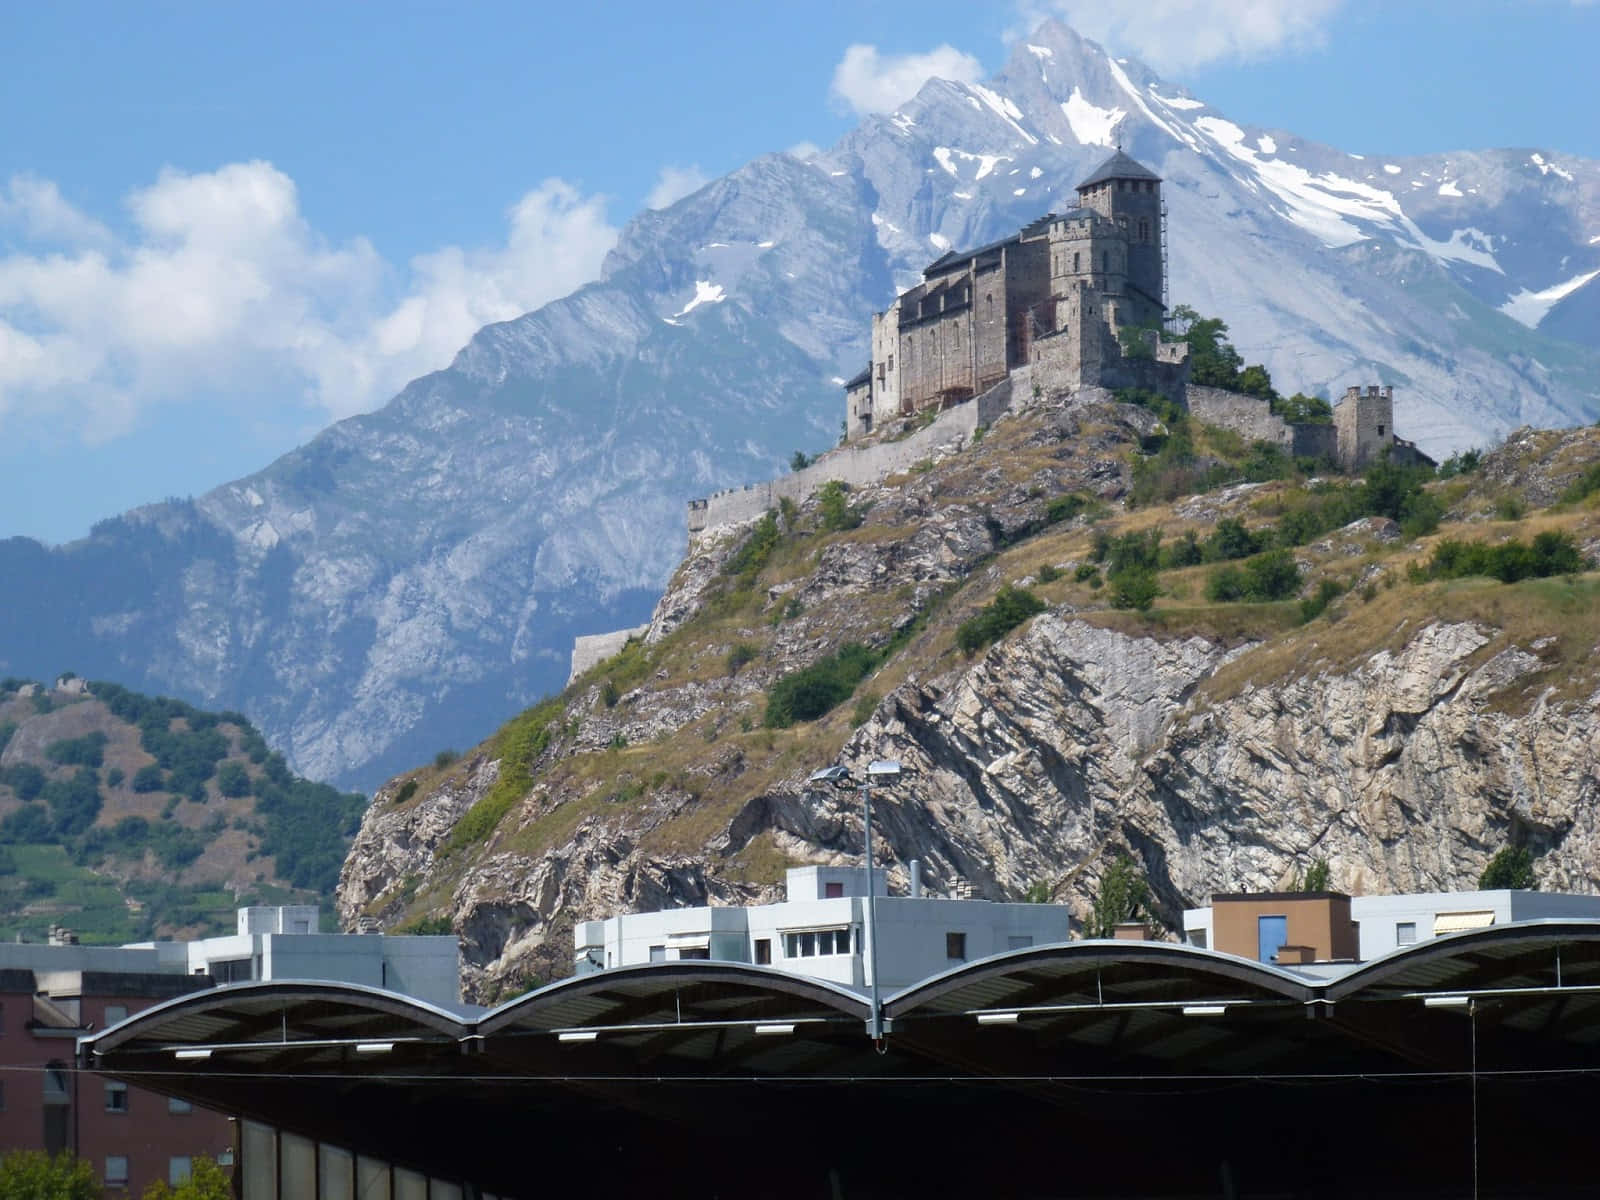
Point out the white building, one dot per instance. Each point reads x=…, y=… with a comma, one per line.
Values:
x=282, y=942
x=1386, y=923
x=820, y=931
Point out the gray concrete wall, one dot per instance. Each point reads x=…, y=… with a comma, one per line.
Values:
x=597, y=647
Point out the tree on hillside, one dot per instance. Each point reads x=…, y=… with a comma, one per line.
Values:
x=1317, y=878
x=1511, y=867
x=32, y=1175
x=1124, y=896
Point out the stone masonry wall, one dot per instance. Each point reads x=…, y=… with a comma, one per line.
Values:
x=597, y=647
x=856, y=465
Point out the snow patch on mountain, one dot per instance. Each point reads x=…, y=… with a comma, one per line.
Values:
x=1447, y=188
x=1040, y=51
x=705, y=292
x=1547, y=168
x=1530, y=307
x=1266, y=144
x=1391, y=169
x=1182, y=103
x=1091, y=124
x=986, y=162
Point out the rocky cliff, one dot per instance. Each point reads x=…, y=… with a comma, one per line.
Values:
x=1405, y=733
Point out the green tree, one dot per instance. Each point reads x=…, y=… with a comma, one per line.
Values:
x=1213, y=362
x=1134, y=587
x=32, y=1175
x=206, y=1181
x=837, y=514
x=1511, y=867
x=1300, y=409
x=800, y=460
x=1254, y=381
x=233, y=780
x=1316, y=879
x=1124, y=896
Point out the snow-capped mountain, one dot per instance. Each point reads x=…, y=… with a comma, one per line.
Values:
x=410, y=577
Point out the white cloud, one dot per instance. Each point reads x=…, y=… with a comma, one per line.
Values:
x=804, y=150
x=1173, y=35
x=222, y=289
x=868, y=82
x=674, y=183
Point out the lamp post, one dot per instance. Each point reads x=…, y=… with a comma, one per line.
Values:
x=839, y=776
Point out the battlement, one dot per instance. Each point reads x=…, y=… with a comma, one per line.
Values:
x=1374, y=392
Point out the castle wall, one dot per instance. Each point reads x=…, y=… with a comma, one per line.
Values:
x=885, y=375
x=1249, y=416
x=860, y=465
x=1315, y=441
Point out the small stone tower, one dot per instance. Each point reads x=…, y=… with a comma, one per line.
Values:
x=1365, y=425
x=1128, y=195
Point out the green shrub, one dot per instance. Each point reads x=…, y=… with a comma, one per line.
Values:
x=1049, y=573
x=1230, y=540
x=1185, y=552
x=1508, y=506
x=114, y=777
x=1551, y=553
x=1010, y=608
x=752, y=554
x=444, y=759
x=85, y=751
x=837, y=513
x=1134, y=587
x=739, y=655
x=1085, y=572
x=609, y=693
x=1584, y=485
x=1464, y=462
x=1511, y=867
x=1300, y=409
x=25, y=779
x=74, y=803
x=817, y=690
x=405, y=791
x=149, y=778
x=1134, y=552
x=800, y=460
x=233, y=780
x=866, y=705
x=1315, y=605
x=1065, y=508
x=1273, y=575
x=425, y=926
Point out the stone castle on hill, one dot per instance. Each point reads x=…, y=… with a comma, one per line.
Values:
x=1058, y=296
x=1071, y=302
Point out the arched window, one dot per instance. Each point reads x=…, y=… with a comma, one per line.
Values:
x=989, y=303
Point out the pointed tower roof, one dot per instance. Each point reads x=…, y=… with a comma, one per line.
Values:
x=1119, y=166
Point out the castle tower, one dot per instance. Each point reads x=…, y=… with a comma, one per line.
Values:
x=1128, y=195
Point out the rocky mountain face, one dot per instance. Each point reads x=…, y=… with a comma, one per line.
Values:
x=410, y=577
x=1405, y=734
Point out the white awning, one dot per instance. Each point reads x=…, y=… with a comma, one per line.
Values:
x=816, y=928
x=688, y=941
x=1457, y=921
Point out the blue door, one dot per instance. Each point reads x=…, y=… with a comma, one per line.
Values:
x=1271, y=935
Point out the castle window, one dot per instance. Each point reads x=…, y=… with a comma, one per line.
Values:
x=989, y=301
x=1075, y=267
x=1144, y=229
x=1380, y=430
x=891, y=363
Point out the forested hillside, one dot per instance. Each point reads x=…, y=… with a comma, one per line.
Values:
x=125, y=816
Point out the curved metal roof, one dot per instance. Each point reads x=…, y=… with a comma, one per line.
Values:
x=678, y=992
x=1097, y=972
x=1521, y=955
x=273, y=1015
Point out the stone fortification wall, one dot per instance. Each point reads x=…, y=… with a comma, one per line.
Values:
x=1248, y=416
x=856, y=465
x=1253, y=419
x=597, y=647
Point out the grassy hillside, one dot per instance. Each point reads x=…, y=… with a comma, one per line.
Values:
x=124, y=816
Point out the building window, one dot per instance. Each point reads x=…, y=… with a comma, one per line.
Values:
x=1380, y=430
x=763, y=952
x=816, y=943
x=55, y=1084
x=891, y=362
x=955, y=947
x=176, y=1106
x=179, y=1168
x=117, y=1097
x=832, y=891
x=1197, y=937
x=115, y=1013
x=1144, y=229
x=1405, y=933
x=658, y=954
x=1075, y=257
x=116, y=1174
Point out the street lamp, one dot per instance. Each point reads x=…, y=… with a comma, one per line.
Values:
x=839, y=776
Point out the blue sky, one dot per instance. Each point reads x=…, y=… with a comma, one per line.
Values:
x=223, y=226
